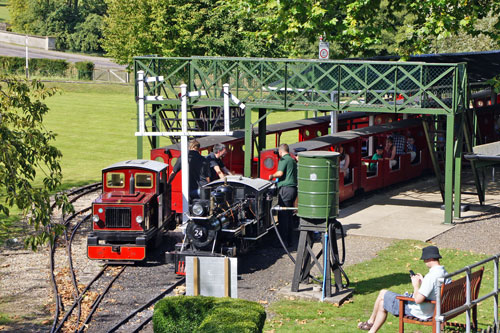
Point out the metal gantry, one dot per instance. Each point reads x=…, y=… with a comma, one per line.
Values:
x=327, y=85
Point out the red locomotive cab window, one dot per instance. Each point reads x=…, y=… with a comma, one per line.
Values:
x=160, y=159
x=115, y=180
x=143, y=180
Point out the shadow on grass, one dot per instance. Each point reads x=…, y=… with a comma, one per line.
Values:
x=372, y=285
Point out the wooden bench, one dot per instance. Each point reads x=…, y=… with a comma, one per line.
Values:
x=453, y=295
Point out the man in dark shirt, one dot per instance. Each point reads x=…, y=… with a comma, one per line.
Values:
x=217, y=168
x=287, y=191
x=198, y=170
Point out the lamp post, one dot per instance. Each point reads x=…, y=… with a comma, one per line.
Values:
x=27, y=63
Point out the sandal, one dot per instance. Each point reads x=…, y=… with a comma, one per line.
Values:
x=365, y=326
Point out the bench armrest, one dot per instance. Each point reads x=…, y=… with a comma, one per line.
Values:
x=410, y=299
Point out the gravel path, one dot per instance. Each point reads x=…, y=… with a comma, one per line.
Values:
x=267, y=269
x=478, y=234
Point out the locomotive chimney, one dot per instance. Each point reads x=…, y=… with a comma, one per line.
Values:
x=132, y=184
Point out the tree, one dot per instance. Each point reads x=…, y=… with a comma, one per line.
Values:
x=26, y=152
x=463, y=42
x=359, y=26
x=182, y=28
x=77, y=25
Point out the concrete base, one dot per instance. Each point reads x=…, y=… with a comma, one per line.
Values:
x=463, y=208
x=307, y=292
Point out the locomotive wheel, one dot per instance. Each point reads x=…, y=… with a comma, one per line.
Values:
x=200, y=236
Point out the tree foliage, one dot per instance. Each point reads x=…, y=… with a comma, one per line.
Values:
x=26, y=152
x=183, y=28
x=77, y=25
x=362, y=27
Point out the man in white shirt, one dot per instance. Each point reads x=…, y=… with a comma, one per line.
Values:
x=424, y=289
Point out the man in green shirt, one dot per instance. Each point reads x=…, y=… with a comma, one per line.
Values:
x=287, y=191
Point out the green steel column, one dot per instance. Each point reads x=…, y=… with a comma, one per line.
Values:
x=474, y=128
x=262, y=130
x=458, y=168
x=155, y=142
x=248, y=143
x=262, y=134
x=448, y=176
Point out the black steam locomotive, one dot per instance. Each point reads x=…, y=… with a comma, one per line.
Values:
x=229, y=216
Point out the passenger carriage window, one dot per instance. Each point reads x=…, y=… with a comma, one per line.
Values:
x=143, y=180
x=115, y=179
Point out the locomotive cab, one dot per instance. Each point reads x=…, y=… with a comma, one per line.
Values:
x=132, y=210
x=229, y=214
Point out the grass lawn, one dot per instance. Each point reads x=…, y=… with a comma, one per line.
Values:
x=95, y=124
x=4, y=11
x=389, y=270
x=95, y=127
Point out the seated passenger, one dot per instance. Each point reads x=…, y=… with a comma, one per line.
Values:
x=390, y=152
x=344, y=161
x=399, y=142
x=411, y=148
x=425, y=288
x=377, y=156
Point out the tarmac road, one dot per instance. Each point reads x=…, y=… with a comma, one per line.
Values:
x=20, y=51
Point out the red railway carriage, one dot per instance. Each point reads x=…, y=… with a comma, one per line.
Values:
x=308, y=129
x=355, y=143
x=487, y=107
x=234, y=160
x=133, y=208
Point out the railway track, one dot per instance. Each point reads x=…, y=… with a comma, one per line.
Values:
x=143, y=311
x=76, y=313
x=69, y=234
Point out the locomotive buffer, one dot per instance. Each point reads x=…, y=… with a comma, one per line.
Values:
x=318, y=188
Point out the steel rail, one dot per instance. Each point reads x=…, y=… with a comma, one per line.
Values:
x=81, y=191
x=68, y=313
x=98, y=300
x=146, y=305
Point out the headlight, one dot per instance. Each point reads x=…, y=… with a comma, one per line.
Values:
x=95, y=218
x=139, y=219
x=197, y=209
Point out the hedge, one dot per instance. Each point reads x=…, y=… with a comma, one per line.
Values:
x=45, y=67
x=186, y=314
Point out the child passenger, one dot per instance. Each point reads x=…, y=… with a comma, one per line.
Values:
x=377, y=156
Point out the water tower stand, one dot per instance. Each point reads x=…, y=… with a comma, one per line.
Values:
x=307, y=259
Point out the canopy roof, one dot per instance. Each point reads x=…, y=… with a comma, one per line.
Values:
x=481, y=66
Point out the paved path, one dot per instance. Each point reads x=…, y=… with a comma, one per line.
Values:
x=20, y=51
x=412, y=211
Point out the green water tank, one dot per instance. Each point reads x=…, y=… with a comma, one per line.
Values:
x=318, y=184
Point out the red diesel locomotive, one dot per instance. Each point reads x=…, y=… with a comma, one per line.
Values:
x=132, y=210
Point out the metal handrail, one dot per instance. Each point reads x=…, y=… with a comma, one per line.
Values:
x=469, y=304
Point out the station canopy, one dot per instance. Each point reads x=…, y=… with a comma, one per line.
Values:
x=481, y=66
